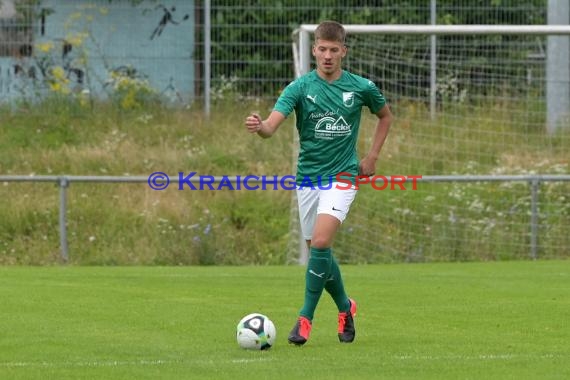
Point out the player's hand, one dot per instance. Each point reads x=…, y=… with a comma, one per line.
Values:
x=253, y=123
x=367, y=167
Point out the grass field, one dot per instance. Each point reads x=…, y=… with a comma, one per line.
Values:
x=496, y=320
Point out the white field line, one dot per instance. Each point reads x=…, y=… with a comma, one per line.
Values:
x=240, y=361
x=481, y=357
x=160, y=362
x=95, y=363
x=112, y=363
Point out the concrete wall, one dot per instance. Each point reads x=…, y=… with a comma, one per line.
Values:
x=157, y=39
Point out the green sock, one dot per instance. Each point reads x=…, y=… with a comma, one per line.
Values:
x=318, y=270
x=335, y=287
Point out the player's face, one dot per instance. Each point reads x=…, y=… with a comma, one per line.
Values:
x=329, y=55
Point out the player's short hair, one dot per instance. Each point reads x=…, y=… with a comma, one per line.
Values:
x=330, y=31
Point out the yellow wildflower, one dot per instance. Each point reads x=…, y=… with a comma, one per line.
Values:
x=45, y=47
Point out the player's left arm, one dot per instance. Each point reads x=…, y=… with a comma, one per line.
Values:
x=368, y=163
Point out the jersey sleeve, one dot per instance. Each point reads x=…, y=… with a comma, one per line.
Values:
x=373, y=98
x=288, y=98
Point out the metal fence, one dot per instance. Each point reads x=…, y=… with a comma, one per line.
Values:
x=64, y=181
x=186, y=49
x=251, y=42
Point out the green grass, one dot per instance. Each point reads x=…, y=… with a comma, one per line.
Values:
x=500, y=320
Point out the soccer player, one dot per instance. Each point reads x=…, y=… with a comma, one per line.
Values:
x=327, y=102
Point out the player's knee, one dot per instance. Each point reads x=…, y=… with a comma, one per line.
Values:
x=320, y=242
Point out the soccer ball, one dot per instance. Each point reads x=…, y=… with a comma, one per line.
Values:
x=256, y=332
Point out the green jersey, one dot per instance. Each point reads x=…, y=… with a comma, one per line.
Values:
x=328, y=119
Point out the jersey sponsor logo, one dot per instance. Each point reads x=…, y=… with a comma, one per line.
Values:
x=320, y=115
x=312, y=98
x=348, y=99
x=329, y=128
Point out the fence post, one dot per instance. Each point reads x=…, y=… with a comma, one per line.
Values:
x=63, y=184
x=433, y=62
x=534, y=218
x=207, y=57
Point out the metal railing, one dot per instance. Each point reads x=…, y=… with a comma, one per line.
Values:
x=63, y=181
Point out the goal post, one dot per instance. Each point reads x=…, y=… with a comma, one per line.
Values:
x=484, y=100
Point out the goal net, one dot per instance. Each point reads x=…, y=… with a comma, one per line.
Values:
x=481, y=113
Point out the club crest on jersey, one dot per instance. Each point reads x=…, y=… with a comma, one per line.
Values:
x=348, y=99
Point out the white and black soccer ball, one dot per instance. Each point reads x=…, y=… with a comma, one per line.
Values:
x=256, y=332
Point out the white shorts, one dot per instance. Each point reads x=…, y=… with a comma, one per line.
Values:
x=333, y=201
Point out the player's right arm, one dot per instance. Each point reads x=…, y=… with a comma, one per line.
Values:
x=264, y=128
x=284, y=106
